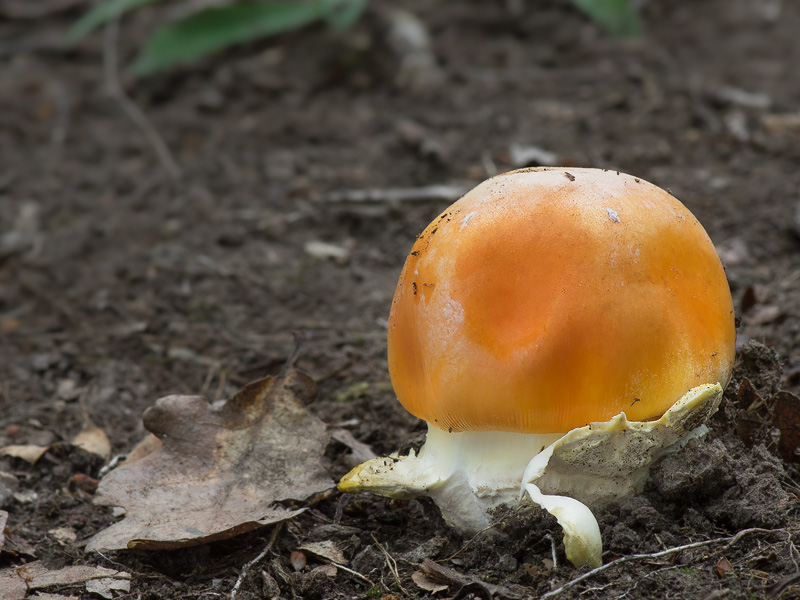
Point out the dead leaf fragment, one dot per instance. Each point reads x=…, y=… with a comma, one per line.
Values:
x=724, y=566
x=3, y=521
x=762, y=314
x=327, y=570
x=30, y=453
x=108, y=587
x=326, y=550
x=17, y=582
x=360, y=452
x=222, y=469
x=63, y=535
x=427, y=584
x=148, y=445
x=93, y=440
x=786, y=417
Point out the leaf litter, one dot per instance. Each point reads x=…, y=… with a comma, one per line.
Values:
x=221, y=469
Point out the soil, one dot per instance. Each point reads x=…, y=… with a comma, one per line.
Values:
x=120, y=283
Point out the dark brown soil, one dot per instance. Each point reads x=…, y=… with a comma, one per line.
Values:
x=120, y=284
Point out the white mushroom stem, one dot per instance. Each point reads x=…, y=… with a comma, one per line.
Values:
x=467, y=474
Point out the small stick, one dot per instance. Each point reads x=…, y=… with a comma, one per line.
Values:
x=553, y=550
x=261, y=555
x=731, y=540
x=116, y=92
x=355, y=573
x=392, y=565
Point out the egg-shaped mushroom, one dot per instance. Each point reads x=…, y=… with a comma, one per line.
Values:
x=542, y=301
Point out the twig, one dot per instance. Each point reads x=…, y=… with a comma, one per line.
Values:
x=356, y=573
x=553, y=550
x=392, y=565
x=262, y=554
x=429, y=192
x=731, y=540
x=117, y=93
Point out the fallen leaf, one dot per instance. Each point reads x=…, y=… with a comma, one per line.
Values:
x=427, y=584
x=786, y=417
x=724, y=566
x=93, y=440
x=761, y=314
x=108, y=587
x=3, y=521
x=328, y=570
x=749, y=299
x=326, y=550
x=360, y=452
x=149, y=444
x=30, y=453
x=63, y=535
x=17, y=582
x=222, y=469
x=46, y=596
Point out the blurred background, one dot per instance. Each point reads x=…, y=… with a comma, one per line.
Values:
x=185, y=184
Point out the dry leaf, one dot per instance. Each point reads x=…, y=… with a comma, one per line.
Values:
x=28, y=452
x=108, y=587
x=427, y=584
x=149, y=444
x=63, y=535
x=786, y=417
x=94, y=440
x=326, y=550
x=360, y=452
x=46, y=596
x=222, y=469
x=327, y=570
x=724, y=566
x=762, y=314
x=3, y=521
x=17, y=582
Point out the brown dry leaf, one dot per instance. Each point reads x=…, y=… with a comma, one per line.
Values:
x=94, y=440
x=17, y=582
x=327, y=570
x=724, y=566
x=326, y=550
x=786, y=417
x=427, y=584
x=149, y=444
x=762, y=314
x=28, y=452
x=221, y=470
x=360, y=452
x=108, y=587
x=3, y=521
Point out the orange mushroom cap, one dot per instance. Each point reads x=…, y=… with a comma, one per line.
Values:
x=546, y=299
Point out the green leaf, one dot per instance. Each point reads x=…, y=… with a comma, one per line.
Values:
x=617, y=16
x=105, y=11
x=217, y=28
x=343, y=13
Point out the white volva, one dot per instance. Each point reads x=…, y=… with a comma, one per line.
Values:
x=468, y=474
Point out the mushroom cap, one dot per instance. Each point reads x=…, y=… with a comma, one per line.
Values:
x=546, y=299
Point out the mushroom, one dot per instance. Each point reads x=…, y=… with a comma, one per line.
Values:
x=533, y=318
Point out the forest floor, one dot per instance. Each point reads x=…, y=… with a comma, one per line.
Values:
x=122, y=281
